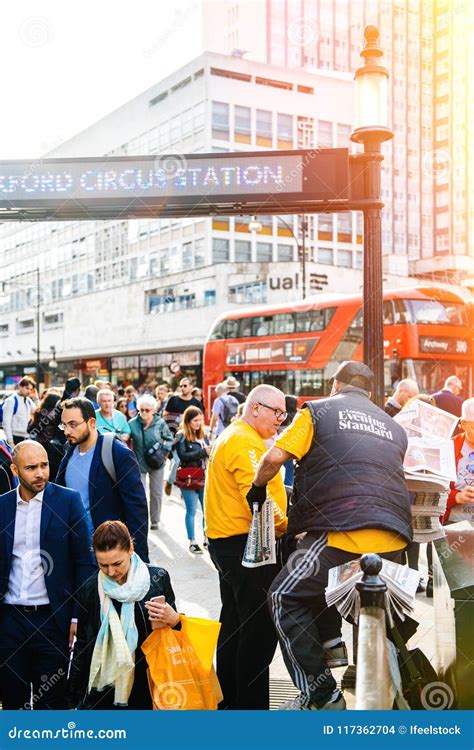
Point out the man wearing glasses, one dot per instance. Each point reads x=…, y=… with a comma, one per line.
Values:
x=83, y=469
x=247, y=640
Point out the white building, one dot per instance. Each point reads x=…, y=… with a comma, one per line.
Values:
x=124, y=298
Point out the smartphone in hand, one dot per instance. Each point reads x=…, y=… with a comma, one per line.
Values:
x=156, y=624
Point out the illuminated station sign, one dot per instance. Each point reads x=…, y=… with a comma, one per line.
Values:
x=175, y=185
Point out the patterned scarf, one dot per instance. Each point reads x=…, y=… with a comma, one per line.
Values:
x=113, y=659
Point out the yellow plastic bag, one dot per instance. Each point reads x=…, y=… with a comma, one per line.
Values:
x=181, y=675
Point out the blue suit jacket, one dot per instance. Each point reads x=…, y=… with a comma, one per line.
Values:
x=446, y=400
x=124, y=501
x=65, y=547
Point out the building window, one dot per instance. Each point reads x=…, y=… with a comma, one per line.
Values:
x=344, y=226
x=4, y=328
x=285, y=253
x=220, y=250
x=324, y=134
x=187, y=256
x=343, y=136
x=186, y=301
x=326, y=256
x=53, y=320
x=264, y=128
x=344, y=258
x=305, y=132
x=359, y=259
x=252, y=293
x=242, y=124
x=284, y=131
x=25, y=326
x=264, y=252
x=199, y=253
x=325, y=226
x=210, y=297
x=220, y=121
x=243, y=251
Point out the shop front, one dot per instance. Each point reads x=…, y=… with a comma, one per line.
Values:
x=148, y=370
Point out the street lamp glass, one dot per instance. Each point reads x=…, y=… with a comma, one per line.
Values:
x=371, y=100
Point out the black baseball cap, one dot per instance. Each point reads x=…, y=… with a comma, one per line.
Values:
x=356, y=374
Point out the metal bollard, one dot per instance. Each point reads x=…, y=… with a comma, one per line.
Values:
x=373, y=690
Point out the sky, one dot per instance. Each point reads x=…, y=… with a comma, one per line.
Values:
x=66, y=64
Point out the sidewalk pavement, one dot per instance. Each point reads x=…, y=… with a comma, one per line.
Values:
x=196, y=587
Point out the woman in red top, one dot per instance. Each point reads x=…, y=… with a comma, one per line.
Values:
x=460, y=504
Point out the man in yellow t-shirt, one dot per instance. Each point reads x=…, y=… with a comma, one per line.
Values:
x=247, y=640
x=350, y=497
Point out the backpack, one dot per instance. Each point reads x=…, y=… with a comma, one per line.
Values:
x=15, y=407
x=231, y=406
x=107, y=455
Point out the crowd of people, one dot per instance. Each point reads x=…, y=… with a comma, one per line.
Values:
x=82, y=479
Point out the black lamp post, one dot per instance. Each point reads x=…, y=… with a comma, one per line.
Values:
x=371, y=129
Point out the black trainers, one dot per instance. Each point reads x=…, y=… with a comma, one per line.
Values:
x=336, y=656
x=195, y=549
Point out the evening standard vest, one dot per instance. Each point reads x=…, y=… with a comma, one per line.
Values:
x=352, y=476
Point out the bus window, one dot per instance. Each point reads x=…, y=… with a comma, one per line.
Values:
x=283, y=323
x=430, y=312
x=232, y=330
x=262, y=325
x=244, y=328
x=388, y=315
x=314, y=320
x=219, y=331
x=430, y=374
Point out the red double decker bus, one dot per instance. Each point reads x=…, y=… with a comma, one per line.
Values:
x=297, y=347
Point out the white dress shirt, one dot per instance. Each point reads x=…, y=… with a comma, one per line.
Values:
x=26, y=584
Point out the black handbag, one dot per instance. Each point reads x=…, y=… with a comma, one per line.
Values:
x=155, y=456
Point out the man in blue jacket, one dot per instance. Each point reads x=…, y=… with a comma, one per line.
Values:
x=45, y=556
x=108, y=493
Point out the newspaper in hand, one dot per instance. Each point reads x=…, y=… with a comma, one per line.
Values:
x=401, y=582
x=260, y=548
x=434, y=457
x=421, y=420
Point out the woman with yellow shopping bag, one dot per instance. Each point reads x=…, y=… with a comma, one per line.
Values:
x=181, y=673
x=109, y=669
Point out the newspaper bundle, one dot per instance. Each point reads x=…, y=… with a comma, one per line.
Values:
x=429, y=465
x=260, y=548
x=401, y=582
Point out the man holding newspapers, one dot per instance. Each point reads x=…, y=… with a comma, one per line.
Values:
x=349, y=498
x=247, y=640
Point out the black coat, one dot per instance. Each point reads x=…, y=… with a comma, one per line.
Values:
x=88, y=627
x=191, y=453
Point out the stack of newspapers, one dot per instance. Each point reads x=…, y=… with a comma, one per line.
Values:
x=429, y=465
x=401, y=582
